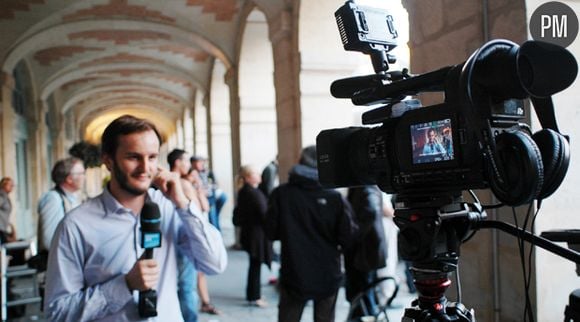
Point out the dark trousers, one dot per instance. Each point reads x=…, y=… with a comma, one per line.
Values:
x=291, y=307
x=253, y=288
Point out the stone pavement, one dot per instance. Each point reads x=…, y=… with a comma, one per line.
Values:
x=227, y=293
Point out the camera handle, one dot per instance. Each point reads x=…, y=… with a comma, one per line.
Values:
x=539, y=241
x=572, y=311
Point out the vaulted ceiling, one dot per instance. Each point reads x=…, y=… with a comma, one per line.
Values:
x=105, y=57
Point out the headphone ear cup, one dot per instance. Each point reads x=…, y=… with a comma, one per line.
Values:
x=523, y=173
x=555, y=151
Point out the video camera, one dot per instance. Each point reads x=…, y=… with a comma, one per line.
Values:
x=475, y=139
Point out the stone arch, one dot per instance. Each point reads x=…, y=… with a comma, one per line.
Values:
x=257, y=112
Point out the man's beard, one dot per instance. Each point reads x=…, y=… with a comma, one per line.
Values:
x=123, y=180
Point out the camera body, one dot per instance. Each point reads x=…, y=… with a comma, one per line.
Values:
x=474, y=139
x=396, y=157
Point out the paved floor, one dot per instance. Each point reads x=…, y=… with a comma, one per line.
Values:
x=227, y=292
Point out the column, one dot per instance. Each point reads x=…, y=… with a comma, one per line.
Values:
x=283, y=35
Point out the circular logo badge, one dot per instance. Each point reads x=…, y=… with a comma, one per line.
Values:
x=554, y=22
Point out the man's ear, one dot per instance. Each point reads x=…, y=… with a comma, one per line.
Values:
x=107, y=161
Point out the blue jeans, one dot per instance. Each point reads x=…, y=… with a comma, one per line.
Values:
x=187, y=288
x=216, y=202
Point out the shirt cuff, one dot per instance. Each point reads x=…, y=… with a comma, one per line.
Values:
x=192, y=209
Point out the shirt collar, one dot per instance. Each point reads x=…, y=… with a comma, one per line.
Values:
x=112, y=206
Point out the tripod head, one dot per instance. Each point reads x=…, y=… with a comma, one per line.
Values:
x=432, y=229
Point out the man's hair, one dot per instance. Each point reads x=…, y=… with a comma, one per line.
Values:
x=62, y=169
x=4, y=181
x=173, y=156
x=308, y=156
x=196, y=158
x=124, y=125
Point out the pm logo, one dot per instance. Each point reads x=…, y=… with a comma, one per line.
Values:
x=554, y=22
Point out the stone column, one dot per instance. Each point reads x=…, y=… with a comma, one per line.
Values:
x=231, y=79
x=208, y=124
x=442, y=33
x=283, y=35
x=7, y=117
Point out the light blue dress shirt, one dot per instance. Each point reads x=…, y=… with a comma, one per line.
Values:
x=97, y=243
x=51, y=210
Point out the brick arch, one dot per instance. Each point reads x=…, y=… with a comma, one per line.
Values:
x=76, y=101
x=85, y=36
x=119, y=71
x=171, y=104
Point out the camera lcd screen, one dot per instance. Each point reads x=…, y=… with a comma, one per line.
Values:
x=432, y=141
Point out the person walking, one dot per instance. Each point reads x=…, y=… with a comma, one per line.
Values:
x=313, y=225
x=250, y=215
x=369, y=251
x=269, y=177
x=95, y=263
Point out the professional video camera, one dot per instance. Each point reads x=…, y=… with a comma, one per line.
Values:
x=474, y=139
x=427, y=156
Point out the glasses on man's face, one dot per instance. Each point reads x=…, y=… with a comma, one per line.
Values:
x=78, y=173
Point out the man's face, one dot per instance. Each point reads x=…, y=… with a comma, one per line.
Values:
x=77, y=176
x=8, y=186
x=432, y=136
x=199, y=165
x=135, y=162
x=183, y=165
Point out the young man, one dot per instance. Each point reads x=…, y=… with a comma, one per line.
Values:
x=311, y=222
x=68, y=176
x=187, y=288
x=95, y=267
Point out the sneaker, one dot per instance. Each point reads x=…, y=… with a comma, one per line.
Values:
x=209, y=309
x=258, y=303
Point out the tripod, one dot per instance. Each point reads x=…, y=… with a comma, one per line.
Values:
x=431, y=232
x=572, y=237
x=432, y=229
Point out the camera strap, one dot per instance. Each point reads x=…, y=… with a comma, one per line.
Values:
x=544, y=108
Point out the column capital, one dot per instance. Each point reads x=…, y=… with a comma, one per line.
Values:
x=231, y=76
x=281, y=27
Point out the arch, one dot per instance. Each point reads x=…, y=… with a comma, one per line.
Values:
x=257, y=112
x=73, y=74
x=46, y=38
x=93, y=130
x=69, y=72
x=113, y=90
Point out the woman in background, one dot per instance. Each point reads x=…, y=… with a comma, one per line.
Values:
x=250, y=214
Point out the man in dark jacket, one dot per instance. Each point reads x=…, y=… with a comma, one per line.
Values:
x=369, y=251
x=313, y=225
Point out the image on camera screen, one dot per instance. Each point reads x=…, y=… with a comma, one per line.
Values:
x=432, y=141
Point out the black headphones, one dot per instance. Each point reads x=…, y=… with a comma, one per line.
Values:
x=520, y=167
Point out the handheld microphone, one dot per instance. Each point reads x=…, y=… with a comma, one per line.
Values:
x=150, y=238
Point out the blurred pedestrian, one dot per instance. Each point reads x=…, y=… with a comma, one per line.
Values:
x=369, y=251
x=68, y=176
x=250, y=214
x=7, y=232
x=313, y=225
x=269, y=178
x=215, y=195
